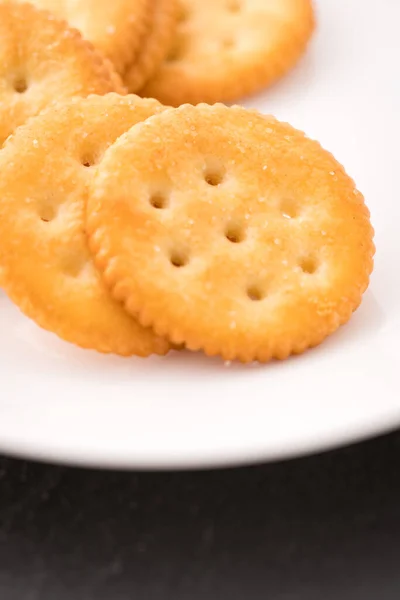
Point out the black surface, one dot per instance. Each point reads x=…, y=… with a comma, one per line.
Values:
x=321, y=528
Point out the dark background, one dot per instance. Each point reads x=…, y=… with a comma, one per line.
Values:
x=325, y=527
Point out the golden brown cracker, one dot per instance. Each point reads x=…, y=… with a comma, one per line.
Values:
x=45, y=169
x=230, y=231
x=155, y=44
x=117, y=84
x=225, y=49
x=42, y=60
x=114, y=27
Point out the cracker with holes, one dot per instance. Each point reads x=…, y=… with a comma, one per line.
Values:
x=114, y=27
x=155, y=45
x=225, y=49
x=229, y=231
x=45, y=170
x=42, y=60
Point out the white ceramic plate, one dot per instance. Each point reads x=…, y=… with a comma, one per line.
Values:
x=63, y=404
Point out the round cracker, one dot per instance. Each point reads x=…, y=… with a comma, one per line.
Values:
x=47, y=269
x=230, y=231
x=225, y=49
x=155, y=45
x=114, y=27
x=42, y=60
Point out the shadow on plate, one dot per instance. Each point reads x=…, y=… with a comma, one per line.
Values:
x=366, y=322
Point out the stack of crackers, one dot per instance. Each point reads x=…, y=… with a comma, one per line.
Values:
x=133, y=225
x=193, y=50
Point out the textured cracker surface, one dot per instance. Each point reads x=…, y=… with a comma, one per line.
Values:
x=225, y=49
x=273, y=240
x=155, y=44
x=113, y=26
x=42, y=60
x=47, y=268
